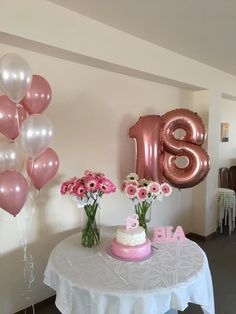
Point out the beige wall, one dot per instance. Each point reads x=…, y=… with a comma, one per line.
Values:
x=92, y=110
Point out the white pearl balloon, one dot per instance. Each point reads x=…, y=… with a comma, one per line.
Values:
x=15, y=76
x=10, y=156
x=36, y=134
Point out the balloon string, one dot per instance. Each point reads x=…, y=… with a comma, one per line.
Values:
x=28, y=262
x=31, y=173
x=179, y=201
x=28, y=258
x=23, y=230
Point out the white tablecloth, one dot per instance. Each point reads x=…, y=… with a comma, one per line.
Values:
x=90, y=281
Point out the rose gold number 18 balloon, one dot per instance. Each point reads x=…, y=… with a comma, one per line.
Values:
x=158, y=148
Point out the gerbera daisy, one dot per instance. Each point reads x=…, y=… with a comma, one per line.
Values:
x=142, y=193
x=91, y=185
x=143, y=182
x=154, y=187
x=132, y=176
x=166, y=189
x=80, y=191
x=133, y=182
x=88, y=172
x=130, y=190
x=123, y=185
x=64, y=188
x=106, y=186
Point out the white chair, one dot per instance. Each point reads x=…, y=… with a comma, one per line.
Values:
x=226, y=208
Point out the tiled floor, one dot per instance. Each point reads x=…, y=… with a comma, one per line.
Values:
x=221, y=252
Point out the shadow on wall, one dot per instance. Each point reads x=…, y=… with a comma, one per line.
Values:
x=126, y=148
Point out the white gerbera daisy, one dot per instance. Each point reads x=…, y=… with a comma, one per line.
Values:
x=132, y=176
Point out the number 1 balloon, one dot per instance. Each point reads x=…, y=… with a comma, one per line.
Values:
x=15, y=76
x=147, y=132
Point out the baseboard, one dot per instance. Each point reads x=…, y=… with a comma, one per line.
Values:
x=195, y=236
x=37, y=306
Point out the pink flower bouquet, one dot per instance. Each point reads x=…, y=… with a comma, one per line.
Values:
x=143, y=192
x=88, y=191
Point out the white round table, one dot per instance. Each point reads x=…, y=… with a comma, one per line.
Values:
x=91, y=281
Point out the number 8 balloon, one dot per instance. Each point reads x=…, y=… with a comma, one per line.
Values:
x=158, y=148
x=189, y=146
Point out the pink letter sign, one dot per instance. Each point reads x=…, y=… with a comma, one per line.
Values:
x=165, y=234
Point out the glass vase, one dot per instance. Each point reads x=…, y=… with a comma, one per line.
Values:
x=143, y=210
x=91, y=231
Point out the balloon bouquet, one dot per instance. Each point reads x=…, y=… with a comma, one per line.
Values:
x=26, y=98
x=23, y=126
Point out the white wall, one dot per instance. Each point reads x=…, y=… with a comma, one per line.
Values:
x=91, y=111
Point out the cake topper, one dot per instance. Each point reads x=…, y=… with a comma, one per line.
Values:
x=132, y=222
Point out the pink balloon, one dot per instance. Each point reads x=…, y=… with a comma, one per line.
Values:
x=13, y=191
x=8, y=117
x=189, y=146
x=147, y=132
x=38, y=97
x=43, y=168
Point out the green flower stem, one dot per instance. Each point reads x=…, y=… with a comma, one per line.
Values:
x=91, y=233
x=141, y=210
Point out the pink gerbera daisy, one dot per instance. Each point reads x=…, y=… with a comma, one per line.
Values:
x=70, y=187
x=123, y=185
x=64, y=188
x=154, y=187
x=91, y=185
x=131, y=190
x=142, y=193
x=88, y=173
x=166, y=189
x=106, y=186
x=80, y=191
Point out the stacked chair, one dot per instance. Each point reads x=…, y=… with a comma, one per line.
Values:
x=226, y=198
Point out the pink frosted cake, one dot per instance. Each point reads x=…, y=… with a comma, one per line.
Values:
x=131, y=244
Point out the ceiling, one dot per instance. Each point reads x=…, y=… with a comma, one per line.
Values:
x=204, y=30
